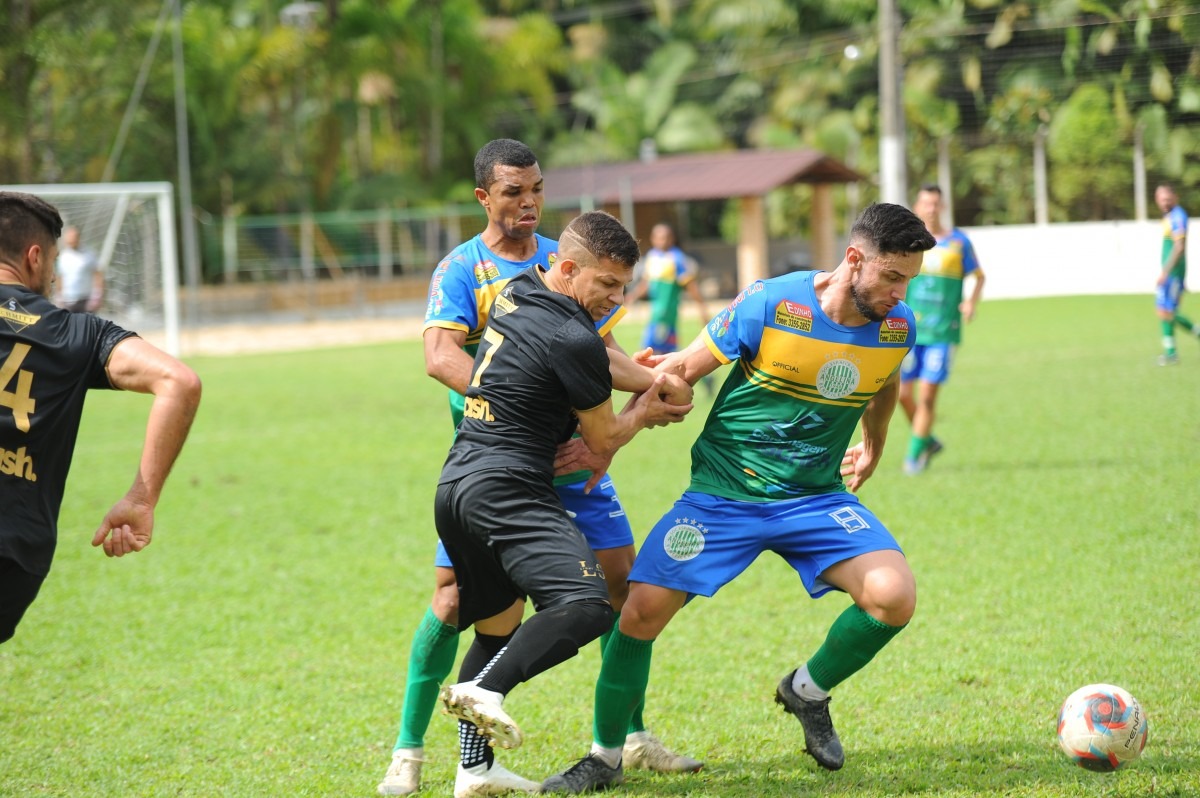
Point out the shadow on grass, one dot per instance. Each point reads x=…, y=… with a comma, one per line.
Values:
x=1013, y=770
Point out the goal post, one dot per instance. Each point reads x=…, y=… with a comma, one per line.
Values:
x=130, y=228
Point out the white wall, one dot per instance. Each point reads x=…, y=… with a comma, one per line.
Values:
x=1073, y=258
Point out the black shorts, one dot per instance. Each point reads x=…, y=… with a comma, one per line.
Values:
x=18, y=589
x=509, y=536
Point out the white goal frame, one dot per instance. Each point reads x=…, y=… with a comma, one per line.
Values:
x=161, y=193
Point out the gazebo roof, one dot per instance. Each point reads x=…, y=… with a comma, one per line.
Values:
x=696, y=176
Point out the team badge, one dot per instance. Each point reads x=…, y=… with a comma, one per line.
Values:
x=17, y=317
x=838, y=378
x=685, y=540
x=893, y=331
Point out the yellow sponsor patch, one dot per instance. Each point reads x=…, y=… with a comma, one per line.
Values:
x=893, y=331
x=794, y=316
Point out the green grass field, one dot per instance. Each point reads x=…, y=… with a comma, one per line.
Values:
x=258, y=647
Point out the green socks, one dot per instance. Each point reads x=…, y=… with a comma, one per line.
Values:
x=636, y=723
x=1185, y=324
x=1168, y=331
x=853, y=640
x=917, y=445
x=621, y=688
x=434, y=647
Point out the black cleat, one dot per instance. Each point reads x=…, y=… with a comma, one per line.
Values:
x=589, y=774
x=820, y=738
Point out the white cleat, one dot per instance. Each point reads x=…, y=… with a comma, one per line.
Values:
x=645, y=751
x=467, y=701
x=481, y=781
x=403, y=777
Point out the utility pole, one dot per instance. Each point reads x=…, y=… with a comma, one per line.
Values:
x=191, y=263
x=893, y=168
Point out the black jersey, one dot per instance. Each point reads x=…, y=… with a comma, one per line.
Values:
x=540, y=359
x=49, y=358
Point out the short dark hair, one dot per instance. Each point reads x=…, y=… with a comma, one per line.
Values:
x=602, y=235
x=26, y=220
x=500, y=152
x=891, y=228
x=931, y=188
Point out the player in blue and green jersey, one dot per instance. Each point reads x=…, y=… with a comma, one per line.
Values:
x=1174, y=272
x=666, y=273
x=936, y=298
x=461, y=291
x=814, y=354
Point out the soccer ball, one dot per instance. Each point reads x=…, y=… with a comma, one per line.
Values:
x=1102, y=727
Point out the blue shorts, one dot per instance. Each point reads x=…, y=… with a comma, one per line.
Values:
x=1169, y=293
x=928, y=362
x=661, y=337
x=705, y=541
x=598, y=515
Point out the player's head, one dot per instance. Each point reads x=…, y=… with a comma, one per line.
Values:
x=596, y=255
x=887, y=244
x=1165, y=197
x=928, y=205
x=29, y=231
x=508, y=184
x=662, y=236
x=70, y=236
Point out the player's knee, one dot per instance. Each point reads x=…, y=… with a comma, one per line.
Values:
x=591, y=619
x=445, y=603
x=890, y=596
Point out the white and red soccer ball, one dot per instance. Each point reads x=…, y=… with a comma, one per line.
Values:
x=1102, y=727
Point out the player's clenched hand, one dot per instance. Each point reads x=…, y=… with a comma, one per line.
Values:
x=127, y=527
x=676, y=391
x=659, y=413
x=857, y=466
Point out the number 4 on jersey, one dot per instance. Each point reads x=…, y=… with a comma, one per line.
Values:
x=19, y=401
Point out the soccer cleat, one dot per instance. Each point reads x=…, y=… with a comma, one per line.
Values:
x=935, y=447
x=403, y=777
x=589, y=774
x=820, y=738
x=917, y=466
x=481, y=780
x=1168, y=360
x=467, y=701
x=645, y=751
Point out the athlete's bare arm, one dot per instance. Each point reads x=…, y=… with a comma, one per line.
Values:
x=139, y=366
x=445, y=359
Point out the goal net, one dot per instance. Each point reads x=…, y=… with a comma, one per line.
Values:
x=130, y=229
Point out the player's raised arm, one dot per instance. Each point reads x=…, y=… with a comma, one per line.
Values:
x=136, y=365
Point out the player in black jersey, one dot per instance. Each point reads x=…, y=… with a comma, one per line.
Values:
x=49, y=358
x=541, y=372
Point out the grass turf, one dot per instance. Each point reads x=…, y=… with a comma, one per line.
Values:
x=258, y=647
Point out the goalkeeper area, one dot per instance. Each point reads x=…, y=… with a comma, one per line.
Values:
x=130, y=229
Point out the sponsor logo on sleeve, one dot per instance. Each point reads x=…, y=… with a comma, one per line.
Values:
x=794, y=315
x=486, y=271
x=17, y=317
x=893, y=331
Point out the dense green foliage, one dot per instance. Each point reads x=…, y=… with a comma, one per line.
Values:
x=384, y=101
x=258, y=647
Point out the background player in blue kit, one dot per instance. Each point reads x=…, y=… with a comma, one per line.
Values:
x=463, y=286
x=1173, y=274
